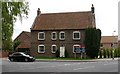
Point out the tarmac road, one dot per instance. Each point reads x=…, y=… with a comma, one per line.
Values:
x=58, y=66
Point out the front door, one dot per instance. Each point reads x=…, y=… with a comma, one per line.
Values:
x=62, y=51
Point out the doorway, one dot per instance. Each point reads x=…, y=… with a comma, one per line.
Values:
x=62, y=51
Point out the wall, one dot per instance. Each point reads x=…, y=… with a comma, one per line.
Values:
x=68, y=42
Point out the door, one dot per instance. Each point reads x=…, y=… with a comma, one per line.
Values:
x=62, y=51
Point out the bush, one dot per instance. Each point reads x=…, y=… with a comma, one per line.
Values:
x=118, y=52
x=92, y=42
x=108, y=53
x=104, y=53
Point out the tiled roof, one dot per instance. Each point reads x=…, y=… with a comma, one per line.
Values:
x=27, y=33
x=22, y=36
x=68, y=20
x=109, y=39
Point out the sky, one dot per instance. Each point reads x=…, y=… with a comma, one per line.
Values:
x=106, y=13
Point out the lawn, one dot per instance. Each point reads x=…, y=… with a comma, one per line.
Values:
x=54, y=58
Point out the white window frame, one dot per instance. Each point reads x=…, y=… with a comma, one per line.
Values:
x=55, y=36
x=40, y=51
x=60, y=35
x=74, y=46
x=39, y=37
x=52, y=48
x=79, y=35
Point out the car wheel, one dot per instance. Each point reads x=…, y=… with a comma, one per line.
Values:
x=26, y=60
x=11, y=59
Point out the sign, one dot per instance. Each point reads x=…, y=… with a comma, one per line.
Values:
x=77, y=50
x=83, y=50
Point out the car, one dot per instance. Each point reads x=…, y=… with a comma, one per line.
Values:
x=20, y=56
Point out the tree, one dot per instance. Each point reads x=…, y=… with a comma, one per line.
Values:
x=92, y=42
x=10, y=12
x=16, y=43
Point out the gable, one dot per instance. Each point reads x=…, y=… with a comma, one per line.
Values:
x=23, y=36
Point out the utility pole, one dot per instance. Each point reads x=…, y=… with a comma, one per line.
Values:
x=113, y=45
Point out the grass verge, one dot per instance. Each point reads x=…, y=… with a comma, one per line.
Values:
x=54, y=58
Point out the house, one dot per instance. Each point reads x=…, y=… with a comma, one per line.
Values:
x=25, y=41
x=60, y=31
x=109, y=41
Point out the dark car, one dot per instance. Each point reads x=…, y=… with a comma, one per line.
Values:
x=20, y=56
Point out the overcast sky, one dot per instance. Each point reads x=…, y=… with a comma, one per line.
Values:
x=106, y=13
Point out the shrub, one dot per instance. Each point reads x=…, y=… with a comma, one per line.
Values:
x=104, y=53
x=92, y=42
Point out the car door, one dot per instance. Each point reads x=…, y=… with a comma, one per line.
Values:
x=15, y=56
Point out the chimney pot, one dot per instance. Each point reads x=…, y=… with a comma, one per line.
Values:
x=38, y=12
x=92, y=9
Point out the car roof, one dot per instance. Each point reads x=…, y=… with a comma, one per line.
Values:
x=18, y=52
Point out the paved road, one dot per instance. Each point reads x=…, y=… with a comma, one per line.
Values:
x=37, y=66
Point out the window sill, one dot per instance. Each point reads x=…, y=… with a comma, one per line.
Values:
x=41, y=52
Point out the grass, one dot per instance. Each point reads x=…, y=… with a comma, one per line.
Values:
x=54, y=58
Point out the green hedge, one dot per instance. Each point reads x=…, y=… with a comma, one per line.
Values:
x=108, y=53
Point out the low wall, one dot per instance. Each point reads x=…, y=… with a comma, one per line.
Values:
x=4, y=54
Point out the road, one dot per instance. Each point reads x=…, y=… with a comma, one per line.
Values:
x=38, y=66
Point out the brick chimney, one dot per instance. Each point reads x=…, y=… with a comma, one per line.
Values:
x=92, y=9
x=38, y=12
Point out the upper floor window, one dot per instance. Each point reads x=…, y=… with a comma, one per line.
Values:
x=53, y=35
x=76, y=35
x=53, y=48
x=62, y=35
x=41, y=49
x=41, y=36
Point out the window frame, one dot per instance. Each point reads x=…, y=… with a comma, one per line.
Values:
x=39, y=37
x=52, y=48
x=60, y=35
x=79, y=35
x=55, y=36
x=39, y=48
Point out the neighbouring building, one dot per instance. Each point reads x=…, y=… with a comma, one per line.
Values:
x=109, y=41
x=60, y=31
x=25, y=41
x=119, y=43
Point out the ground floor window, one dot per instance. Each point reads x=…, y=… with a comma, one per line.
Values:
x=53, y=48
x=41, y=49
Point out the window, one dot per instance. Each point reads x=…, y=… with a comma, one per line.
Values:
x=41, y=49
x=76, y=48
x=54, y=36
x=62, y=35
x=53, y=48
x=76, y=35
x=41, y=36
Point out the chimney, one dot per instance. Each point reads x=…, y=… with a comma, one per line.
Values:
x=92, y=9
x=38, y=12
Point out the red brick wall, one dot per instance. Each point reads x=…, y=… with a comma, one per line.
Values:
x=3, y=54
x=68, y=42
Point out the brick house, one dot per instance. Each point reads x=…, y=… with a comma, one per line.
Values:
x=107, y=41
x=60, y=31
x=25, y=41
